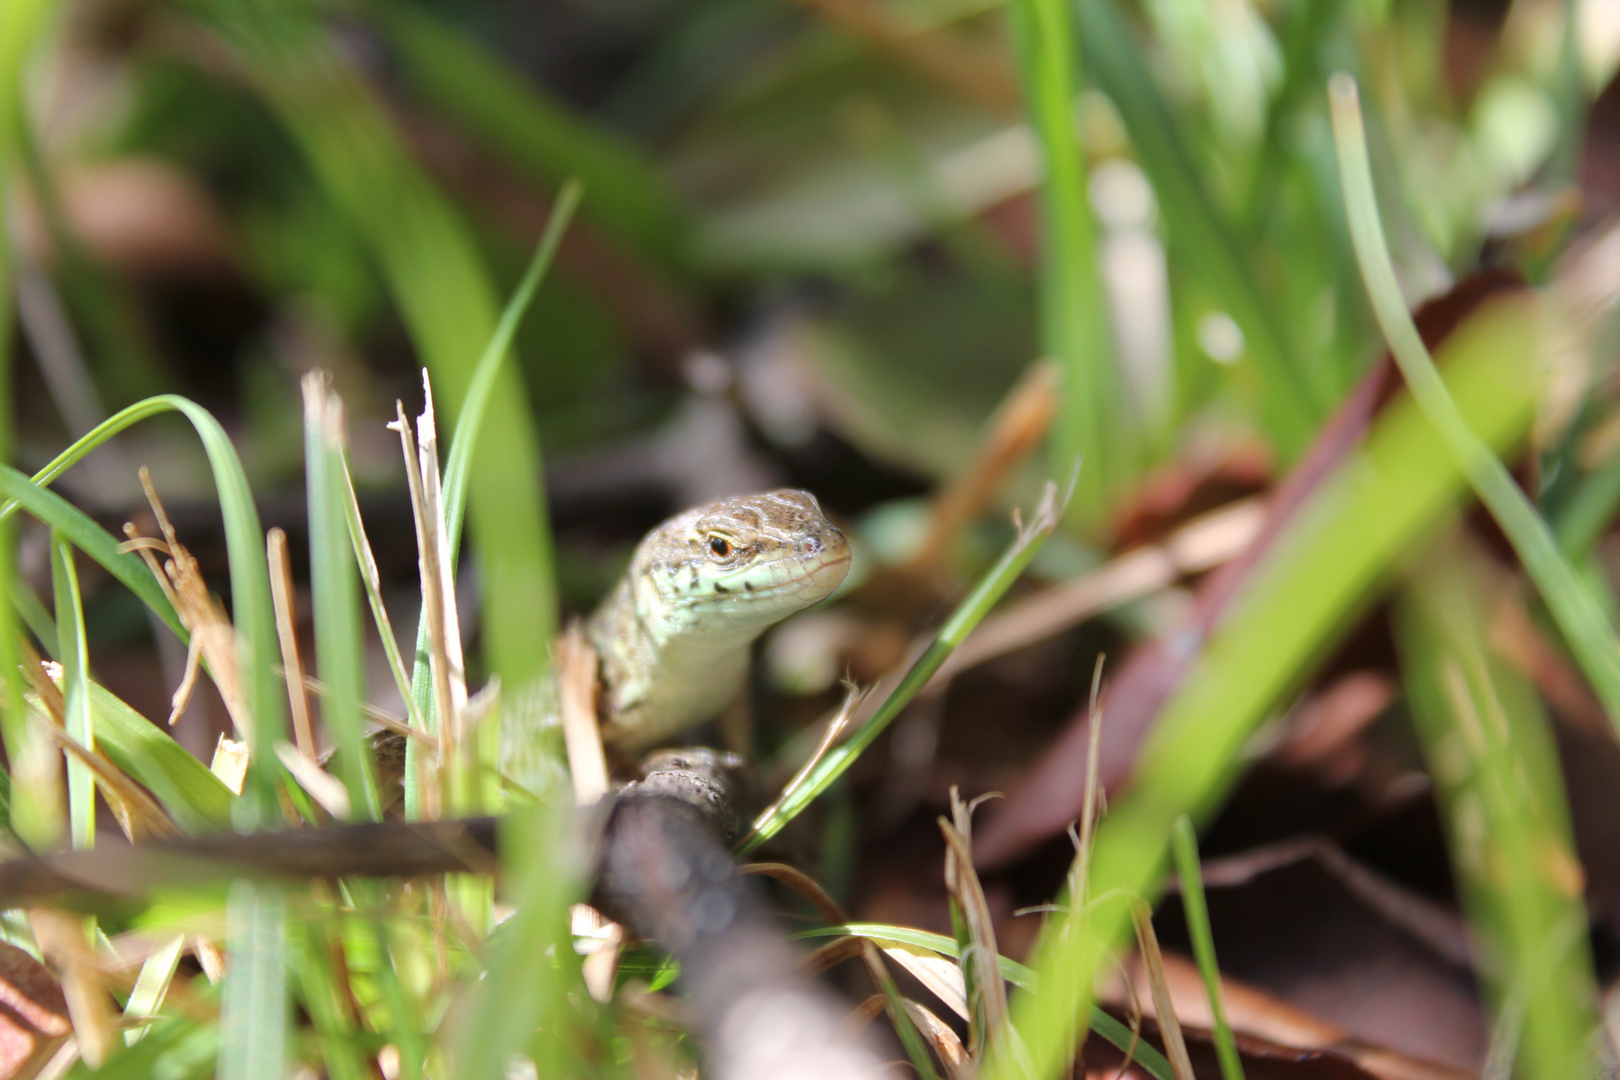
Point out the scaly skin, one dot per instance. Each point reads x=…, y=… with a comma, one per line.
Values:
x=673, y=637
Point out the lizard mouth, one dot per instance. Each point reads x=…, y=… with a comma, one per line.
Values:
x=796, y=582
x=823, y=573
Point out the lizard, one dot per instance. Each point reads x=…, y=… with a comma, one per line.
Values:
x=672, y=638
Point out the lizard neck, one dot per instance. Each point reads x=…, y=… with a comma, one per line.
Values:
x=664, y=665
x=673, y=637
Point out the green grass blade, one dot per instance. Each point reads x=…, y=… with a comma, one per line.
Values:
x=462, y=444
x=75, y=661
x=192, y=795
x=1011, y=970
x=1589, y=511
x=1305, y=594
x=322, y=996
x=332, y=574
x=93, y=438
x=1578, y=614
x=405, y=1028
x=1184, y=844
x=254, y=1018
x=152, y=984
x=74, y=526
x=252, y=613
x=35, y=617
x=443, y=293
x=20, y=22
x=474, y=86
x=1197, y=228
x=806, y=789
x=372, y=580
x=911, y=1040
x=1102, y=1023
x=1073, y=309
x=534, y=982
x=178, y=1048
x=1493, y=757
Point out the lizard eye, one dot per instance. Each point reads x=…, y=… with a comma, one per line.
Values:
x=720, y=546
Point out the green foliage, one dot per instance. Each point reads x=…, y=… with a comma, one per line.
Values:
x=1342, y=544
x=1074, y=318
x=1490, y=749
x=341, y=151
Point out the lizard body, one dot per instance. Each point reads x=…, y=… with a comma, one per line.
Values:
x=673, y=637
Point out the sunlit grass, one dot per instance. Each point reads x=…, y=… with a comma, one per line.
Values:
x=330, y=975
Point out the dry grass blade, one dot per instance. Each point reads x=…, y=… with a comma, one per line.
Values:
x=939, y=974
x=281, y=593
x=1175, y=1047
x=980, y=970
x=380, y=717
x=1015, y=431
x=599, y=967
x=576, y=699
x=951, y=61
x=837, y=726
x=230, y=763
x=372, y=578
x=213, y=638
x=322, y=786
x=1202, y=544
x=61, y=940
x=832, y=954
x=429, y=565
x=947, y=1047
x=427, y=447
x=138, y=814
x=863, y=1014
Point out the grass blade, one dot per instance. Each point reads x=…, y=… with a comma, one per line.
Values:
x=508, y=113
x=197, y=800
x=443, y=294
x=253, y=1019
x=1196, y=226
x=152, y=985
x=338, y=646
x=323, y=998
x=20, y=22
x=1184, y=844
x=534, y=981
x=465, y=439
x=74, y=525
x=1492, y=754
x=807, y=787
x=253, y=613
x=371, y=577
x=1346, y=540
x=75, y=660
x=1120, y=1036
x=1073, y=309
x=1578, y=614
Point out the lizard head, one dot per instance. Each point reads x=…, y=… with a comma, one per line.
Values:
x=751, y=560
